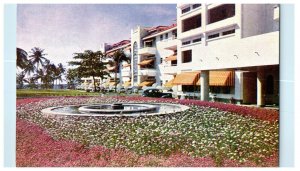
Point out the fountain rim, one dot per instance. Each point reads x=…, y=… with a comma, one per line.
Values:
x=49, y=110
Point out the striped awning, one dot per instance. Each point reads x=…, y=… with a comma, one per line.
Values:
x=146, y=83
x=220, y=78
x=146, y=62
x=186, y=78
x=127, y=84
x=171, y=58
x=169, y=83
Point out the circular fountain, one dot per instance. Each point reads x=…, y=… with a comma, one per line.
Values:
x=116, y=109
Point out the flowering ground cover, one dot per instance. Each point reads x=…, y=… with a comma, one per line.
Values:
x=208, y=134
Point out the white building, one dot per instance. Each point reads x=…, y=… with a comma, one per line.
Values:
x=214, y=51
x=218, y=39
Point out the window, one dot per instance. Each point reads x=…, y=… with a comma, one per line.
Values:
x=270, y=85
x=148, y=44
x=191, y=23
x=197, y=40
x=174, y=34
x=220, y=89
x=166, y=35
x=213, y=36
x=185, y=10
x=161, y=37
x=174, y=63
x=220, y=13
x=190, y=88
x=186, y=42
x=228, y=32
x=196, y=6
x=187, y=56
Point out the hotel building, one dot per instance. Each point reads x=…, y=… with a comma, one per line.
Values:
x=214, y=51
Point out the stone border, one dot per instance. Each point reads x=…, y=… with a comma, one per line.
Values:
x=49, y=111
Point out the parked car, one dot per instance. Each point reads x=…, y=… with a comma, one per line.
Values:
x=155, y=92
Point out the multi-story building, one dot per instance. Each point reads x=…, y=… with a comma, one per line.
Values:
x=214, y=51
x=123, y=70
x=152, y=50
x=233, y=48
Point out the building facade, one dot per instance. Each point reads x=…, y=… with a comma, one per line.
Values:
x=213, y=52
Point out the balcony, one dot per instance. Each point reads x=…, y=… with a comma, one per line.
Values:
x=147, y=72
x=169, y=69
x=229, y=22
x=126, y=73
x=147, y=51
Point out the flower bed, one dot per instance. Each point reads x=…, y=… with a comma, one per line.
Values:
x=202, y=136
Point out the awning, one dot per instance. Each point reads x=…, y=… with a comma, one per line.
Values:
x=128, y=48
x=186, y=78
x=169, y=83
x=146, y=83
x=171, y=58
x=146, y=62
x=220, y=78
x=126, y=65
x=127, y=84
x=111, y=68
x=111, y=53
x=113, y=83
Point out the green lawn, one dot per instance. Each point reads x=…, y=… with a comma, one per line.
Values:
x=47, y=93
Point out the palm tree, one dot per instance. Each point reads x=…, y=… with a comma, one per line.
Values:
x=118, y=57
x=22, y=60
x=60, y=71
x=90, y=64
x=37, y=57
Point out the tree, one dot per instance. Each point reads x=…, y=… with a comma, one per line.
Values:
x=20, y=80
x=72, y=78
x=22, y=60
x=37, y=57
x=118, y=57
x=90, y=64
x=60, y=71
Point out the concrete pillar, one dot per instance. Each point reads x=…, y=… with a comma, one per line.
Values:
x=238, y=86
x=204, y=85
x=260, y=87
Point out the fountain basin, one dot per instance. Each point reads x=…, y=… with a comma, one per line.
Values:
x=128, y=109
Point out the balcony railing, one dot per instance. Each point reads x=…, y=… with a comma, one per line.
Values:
x=147, y=72
x=126, y=73
x=147, y=51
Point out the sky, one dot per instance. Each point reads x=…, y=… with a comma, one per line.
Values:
x=63, y=29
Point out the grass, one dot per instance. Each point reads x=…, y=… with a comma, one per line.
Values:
x=49, y=92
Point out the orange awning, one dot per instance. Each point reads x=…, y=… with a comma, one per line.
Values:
x=169, y=83
x=146, y=83
x=111, y=53
x=126, y=65
x=111, y=68
x=127, y=84
x=186, y=78
x=113, y=83
x=171, y=58
x=220, y=78
x=146, y=62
